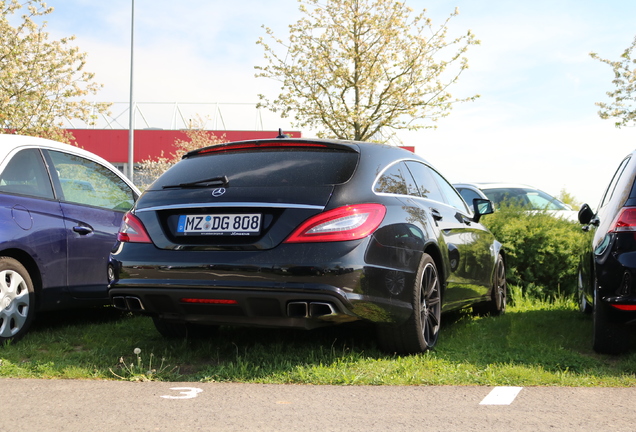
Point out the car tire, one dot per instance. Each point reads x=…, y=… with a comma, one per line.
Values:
x=584, y=306
x=17, y=300
x=183, y=330
x=499, y=295
x=609, y=336
x=421, y=330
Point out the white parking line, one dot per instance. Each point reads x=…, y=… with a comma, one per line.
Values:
x=501, y=396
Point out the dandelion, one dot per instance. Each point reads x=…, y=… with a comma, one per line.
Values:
x=139, y=371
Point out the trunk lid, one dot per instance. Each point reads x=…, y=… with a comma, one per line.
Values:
x=247, y=199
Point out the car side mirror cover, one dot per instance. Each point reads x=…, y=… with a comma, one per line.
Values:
x=586, y=214
x=482, y=207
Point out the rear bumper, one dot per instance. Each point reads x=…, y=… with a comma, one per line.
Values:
x=241, y=307
x=616, y=273
x=300, y=286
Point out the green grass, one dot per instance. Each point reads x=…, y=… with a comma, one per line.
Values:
x=536, y=343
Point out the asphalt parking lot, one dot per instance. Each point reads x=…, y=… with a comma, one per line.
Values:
x=76, y=405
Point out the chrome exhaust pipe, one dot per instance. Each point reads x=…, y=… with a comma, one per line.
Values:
x=297, y=310
x=320, y=309
x=120, y=303
x=134, y=304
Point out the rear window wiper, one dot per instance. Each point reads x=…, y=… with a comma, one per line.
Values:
x=214, y=181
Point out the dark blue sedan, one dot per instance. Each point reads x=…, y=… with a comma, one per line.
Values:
x=60, y=209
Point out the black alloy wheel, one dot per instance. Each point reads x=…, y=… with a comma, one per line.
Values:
x=499, y=293
x=500, y=288
x=421, y=330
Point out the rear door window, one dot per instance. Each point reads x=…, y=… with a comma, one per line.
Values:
x=426, y=185
x=396, y=180
x=450, y=194
x=25, y=174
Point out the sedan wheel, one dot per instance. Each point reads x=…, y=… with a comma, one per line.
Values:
x=421, y=330
x=16, y=300
x=500, y=287
x=499, y=295
x=584, y=306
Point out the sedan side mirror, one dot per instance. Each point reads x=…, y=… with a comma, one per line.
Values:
x=482, y=207
x=586, y=214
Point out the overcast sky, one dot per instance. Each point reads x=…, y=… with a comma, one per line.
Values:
x=535, y=122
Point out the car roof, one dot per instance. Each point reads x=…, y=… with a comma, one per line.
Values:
x=10, y=144
x=361, y=147
x=266, y=142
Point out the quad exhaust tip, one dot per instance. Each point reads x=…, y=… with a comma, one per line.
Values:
x=128, y=303
x=310, y=309
x=298, y=309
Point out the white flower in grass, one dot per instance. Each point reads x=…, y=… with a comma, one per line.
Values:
x=137, y=351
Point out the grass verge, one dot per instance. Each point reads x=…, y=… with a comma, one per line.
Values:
x=536, y=343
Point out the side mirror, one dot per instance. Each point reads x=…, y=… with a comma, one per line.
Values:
x=482, y=207
x=585, y=214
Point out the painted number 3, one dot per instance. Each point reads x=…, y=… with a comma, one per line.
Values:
x=186, y=392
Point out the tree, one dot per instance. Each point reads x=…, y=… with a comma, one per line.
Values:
x=356, y=69
x=569, y=199
x=622, y=107
x=41, y=81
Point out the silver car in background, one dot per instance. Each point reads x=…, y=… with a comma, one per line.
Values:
x=521, y=194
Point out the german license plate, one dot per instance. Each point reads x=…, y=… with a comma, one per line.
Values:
x=220, y=224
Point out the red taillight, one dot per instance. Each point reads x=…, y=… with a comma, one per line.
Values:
x=132, y=230
x=624, y=307
x=625, y=221
x=341, y=224
x=208, y=301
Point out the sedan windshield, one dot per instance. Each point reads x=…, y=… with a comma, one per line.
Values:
x=525, y=197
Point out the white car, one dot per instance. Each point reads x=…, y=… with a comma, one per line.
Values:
x=527, y=196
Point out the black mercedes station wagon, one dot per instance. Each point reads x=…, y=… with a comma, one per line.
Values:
x=304, y=233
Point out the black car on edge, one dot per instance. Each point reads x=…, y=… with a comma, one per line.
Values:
x=305, y=233
x=607, y=272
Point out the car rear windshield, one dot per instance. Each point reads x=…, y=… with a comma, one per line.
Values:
x=265, y=168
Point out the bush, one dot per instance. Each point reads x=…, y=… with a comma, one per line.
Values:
x=542, y=251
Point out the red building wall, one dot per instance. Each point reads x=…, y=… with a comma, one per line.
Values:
x=112, y=144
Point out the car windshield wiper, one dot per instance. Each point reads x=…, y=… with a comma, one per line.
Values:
x=214, y=181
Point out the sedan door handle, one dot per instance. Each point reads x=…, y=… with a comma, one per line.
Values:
x=436, y=214
x=82, y=230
